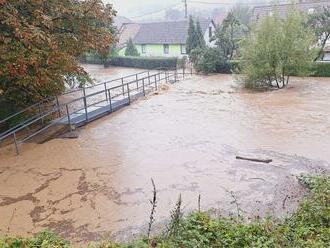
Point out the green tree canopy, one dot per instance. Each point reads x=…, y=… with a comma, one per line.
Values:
x=276, y=49
x=228, y=35
x=320, y=23
x=40, y=42
x=131, y=49
x=191, y=39
x=200, y=41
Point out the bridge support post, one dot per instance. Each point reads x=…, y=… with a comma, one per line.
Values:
x=16, y=144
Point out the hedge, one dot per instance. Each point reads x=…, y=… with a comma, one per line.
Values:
x=142, y=62
x=321, y=69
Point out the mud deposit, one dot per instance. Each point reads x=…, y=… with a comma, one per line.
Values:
x=186, y=139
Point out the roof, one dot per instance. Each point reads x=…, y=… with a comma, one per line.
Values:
x=174, y=32
x=120, y=20
x=283, y=9
x=127, y=31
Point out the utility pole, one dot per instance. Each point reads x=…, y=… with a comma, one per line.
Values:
x=185, y=9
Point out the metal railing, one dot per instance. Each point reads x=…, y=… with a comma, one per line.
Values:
x=78, y=110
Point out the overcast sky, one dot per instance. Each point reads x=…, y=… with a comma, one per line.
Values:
x=134, y=8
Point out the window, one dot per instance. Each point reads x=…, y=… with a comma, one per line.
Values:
x=143, y=48
x=311, y=11
x=210, y=32
x=166, y=48
x=183, y=49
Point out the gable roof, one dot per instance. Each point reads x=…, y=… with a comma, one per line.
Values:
x=166, y=32
x=120, y=20
x=127, y=31
x=283, y=9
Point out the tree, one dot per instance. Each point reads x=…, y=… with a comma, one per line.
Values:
x=200, y=41
x=228, y=35
x=191, y=39
x=320, y=23
x=131, y=49
x=41, y=41
x=276, y=49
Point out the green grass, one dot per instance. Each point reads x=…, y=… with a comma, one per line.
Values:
x=309, y=226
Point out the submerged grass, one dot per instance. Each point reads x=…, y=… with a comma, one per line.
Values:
x=309, y=226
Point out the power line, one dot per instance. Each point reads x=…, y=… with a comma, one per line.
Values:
x=223, y=3
x=156, y=11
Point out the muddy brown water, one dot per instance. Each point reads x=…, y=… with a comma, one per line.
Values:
x=185, y=138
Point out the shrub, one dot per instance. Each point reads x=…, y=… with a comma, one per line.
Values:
x=321, y=69
x=209, y=60
x=143, y=62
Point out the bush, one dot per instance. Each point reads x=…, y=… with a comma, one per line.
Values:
x=210, y=60
x=321, y=69
x=143, y=62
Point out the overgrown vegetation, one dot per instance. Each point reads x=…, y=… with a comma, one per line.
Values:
x=276, y=49
x=309, y=226
x=143, y=62
x=195, y=39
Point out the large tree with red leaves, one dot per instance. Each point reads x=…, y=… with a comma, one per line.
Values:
x=41, y=41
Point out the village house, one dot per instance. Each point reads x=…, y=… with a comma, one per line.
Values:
x=162, y=39
x=306, y=6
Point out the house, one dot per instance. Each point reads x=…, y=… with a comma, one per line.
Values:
x=306, y=6
x=119, y=21
x=164, y=39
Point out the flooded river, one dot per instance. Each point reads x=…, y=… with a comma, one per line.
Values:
x=186, y=138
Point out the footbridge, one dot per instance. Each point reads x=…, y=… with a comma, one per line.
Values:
x=80, y=106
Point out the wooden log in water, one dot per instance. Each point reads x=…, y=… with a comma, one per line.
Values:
x=267, y=161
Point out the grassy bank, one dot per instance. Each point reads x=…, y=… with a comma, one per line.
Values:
x=309, y=226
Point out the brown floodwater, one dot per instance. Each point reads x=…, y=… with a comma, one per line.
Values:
x=186, y=138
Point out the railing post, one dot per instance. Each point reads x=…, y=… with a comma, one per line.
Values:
x=148, y=78
x=110, y=102
x=191, y=70
x=144, y=92
x=166, y=79
x=85, y=104
x=69, y=118
x=58, y=107
x=137, y=85
x=105, y=90
x=16, y=144
x=129, y=97
x=175, y=75
x=156, y=82
x=183, y=71
x=122, y=83
x=40, y=114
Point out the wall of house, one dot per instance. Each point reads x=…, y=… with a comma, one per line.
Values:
x=207, y=36
x=157, y=50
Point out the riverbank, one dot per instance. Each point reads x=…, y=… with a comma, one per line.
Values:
x=308, y=226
